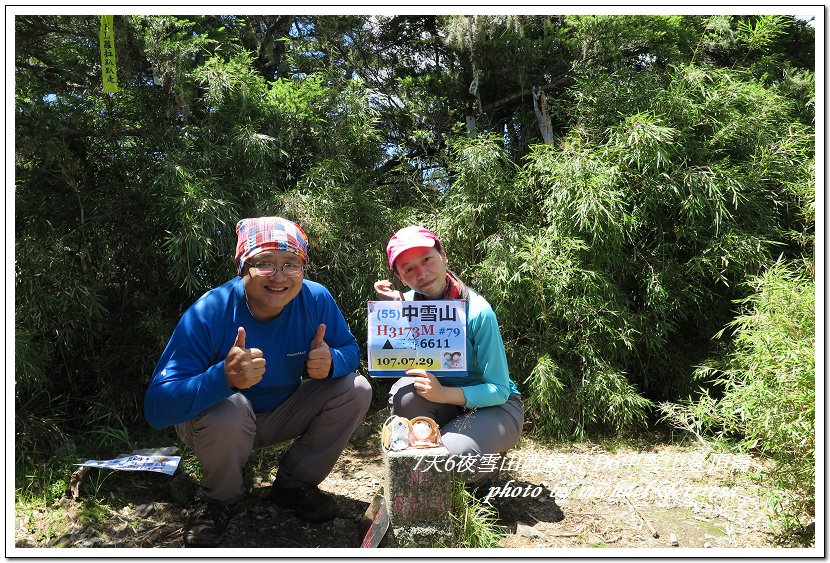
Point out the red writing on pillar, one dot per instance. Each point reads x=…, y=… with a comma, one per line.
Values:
x=419, y=477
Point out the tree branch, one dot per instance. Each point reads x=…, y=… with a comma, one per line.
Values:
x=561, y=80
x=105, y=133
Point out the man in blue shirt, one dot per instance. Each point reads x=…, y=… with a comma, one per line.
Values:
x=264, y=358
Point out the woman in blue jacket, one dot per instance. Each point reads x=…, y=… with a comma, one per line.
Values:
x=480, y=415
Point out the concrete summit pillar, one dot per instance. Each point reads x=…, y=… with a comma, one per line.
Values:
x=418, y=493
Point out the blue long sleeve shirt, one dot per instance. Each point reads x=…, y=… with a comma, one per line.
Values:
x=190, y=375
x=488, y=380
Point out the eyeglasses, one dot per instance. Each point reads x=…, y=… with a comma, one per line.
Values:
x=267, y=269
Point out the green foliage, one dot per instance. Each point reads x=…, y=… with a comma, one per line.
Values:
x=43, y=482
x=760, y=391
x=761, y=33
x=648, y=226
x=474, y=522
x=480, y=198
x=631, y=40
x=110, y=433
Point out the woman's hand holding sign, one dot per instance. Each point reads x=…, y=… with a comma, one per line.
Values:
x=427, y=386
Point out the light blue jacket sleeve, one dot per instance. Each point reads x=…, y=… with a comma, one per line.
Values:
x=491, y=359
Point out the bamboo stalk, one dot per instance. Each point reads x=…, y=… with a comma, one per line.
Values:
x=651, y=529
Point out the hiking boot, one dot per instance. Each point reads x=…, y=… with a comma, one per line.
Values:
x=210, y=525
x=309, y=502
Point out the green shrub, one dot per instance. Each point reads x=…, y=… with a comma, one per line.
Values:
x=474, y=522
x=760, y=394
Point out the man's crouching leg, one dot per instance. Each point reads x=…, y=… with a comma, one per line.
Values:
x=222, y=438
x=322, y=415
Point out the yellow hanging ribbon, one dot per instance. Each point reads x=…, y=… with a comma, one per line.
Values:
x=107, y=38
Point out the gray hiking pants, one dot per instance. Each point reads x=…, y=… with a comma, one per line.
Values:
x=321, y=414
x=471, y=432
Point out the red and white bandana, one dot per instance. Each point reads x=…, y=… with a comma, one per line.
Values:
x=268, y=233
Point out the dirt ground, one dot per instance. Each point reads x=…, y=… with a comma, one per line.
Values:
x=654, y=495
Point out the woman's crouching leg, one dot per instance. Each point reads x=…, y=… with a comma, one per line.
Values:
x=478, y=439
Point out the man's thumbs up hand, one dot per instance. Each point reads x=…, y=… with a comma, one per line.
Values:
x=318, y=364
x=318, y=338
x=244, y=367
x=240, y=337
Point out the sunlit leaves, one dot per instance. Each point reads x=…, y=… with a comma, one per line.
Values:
x=765, y=384
x=650, y=223
x=582, y=193
x=221, y=78
x=481, y=197
x=644, y=142
x=760, y=33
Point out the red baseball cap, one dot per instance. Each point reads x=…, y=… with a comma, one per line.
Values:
x=406, y=238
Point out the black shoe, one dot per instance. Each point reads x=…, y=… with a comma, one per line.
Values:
x=210, y=525
x=309, y=502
